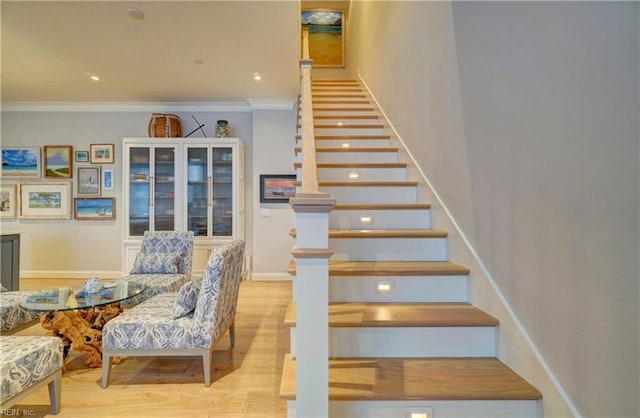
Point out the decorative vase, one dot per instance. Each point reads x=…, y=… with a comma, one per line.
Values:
x=93, y=285
x=222, y=129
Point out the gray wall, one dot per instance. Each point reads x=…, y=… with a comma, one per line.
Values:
x=69, y=248
x=524, y=116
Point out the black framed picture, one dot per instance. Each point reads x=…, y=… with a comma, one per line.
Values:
x=277, y=188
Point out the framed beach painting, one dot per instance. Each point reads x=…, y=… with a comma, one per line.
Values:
x=107, y=180
x=277, y=188
x=8, y=201
x=58, y=161
x=88, y=181
x=95, y=208
x=326, y=36
x=101, y=154
x=82, y=156
x=21, y=162
x=45, y=200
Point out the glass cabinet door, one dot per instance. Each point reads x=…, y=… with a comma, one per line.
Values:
x=152, y=189
x=139, y=190
x=222, y=191
x=164, y=189
x=198, y=200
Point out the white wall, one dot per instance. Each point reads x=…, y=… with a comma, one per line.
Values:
x=524, y=116
x=273, y=143
x=69, y=248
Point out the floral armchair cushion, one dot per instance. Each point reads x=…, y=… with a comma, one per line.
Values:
x=26, y=360
x=187, y=297
x=156, y=263
x=170, y=242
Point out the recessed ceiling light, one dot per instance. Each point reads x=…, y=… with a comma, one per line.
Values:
x=92, y=76
x=135, y=13
x=257, y=76
x=198, y=61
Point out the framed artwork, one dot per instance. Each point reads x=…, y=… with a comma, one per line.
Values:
x=8, y=201
x=107, y=180
x=21, y=162
x=45, y=200
x=95, y=208
x=101, y=154
x=58, y=161
x=277, y=188
x=88, y=181
x=326, y=36
x=82, y=156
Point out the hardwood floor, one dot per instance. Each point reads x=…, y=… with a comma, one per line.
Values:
x=246, y=381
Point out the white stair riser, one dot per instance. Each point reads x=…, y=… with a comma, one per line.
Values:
x=348, y=131
x=356, y=157
x=353, y=143
x=334, y=119
x=382, y=219
x=372, y=194
x=403, y=289
x=364, y=174
x=338, y=110
x=409, y=342
x=439, y=409
x=321, y=104
x=381, y=249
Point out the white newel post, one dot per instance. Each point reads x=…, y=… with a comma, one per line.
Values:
x=311, y=294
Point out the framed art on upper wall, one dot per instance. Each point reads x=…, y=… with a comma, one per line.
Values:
x=277, y=188
x=326, y=36
x=58, y=161
x=21, y=162
x=88, y=181
x=101, y=154
x=45, y=200
x=8, y=201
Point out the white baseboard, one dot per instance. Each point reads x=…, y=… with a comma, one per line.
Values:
x=270, y=276
x=68, y=274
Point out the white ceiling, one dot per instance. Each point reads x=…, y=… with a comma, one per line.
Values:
x=50, y=47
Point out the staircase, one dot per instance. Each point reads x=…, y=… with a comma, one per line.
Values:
x=403, y=339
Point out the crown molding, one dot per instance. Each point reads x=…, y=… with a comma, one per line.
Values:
x=244, y=106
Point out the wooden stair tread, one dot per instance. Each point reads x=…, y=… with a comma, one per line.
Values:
x=355, y=165
x=339, y=268
x=346, y=126
x=381, y=233
x=417, y=379
x=346, y=137
x=317, y=100
x=382, y=206
x=322, y=117
x=398, y=183
x=380, y=314
x=342, y=109
x=351, y=149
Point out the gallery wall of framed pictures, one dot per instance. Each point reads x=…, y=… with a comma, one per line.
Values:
x=41, y=183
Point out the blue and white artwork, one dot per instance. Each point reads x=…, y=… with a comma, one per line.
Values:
x=21, y=162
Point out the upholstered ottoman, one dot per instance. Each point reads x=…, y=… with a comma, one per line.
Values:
x=27, y=364
x=12, y=316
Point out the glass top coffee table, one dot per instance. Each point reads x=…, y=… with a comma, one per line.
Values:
x=74, y=315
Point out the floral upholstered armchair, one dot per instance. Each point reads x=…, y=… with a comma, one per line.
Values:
x=187, y=323
x=163, y=263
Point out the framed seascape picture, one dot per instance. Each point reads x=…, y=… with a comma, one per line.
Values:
x=95, y=208
x=8, y=201
x=107, y=180
x=21, y=162
x=326, y=36
x=88, y=181
x=101, y=154
x=58, y=161
x=46, y=200
x=82, y=156
x=277, y=188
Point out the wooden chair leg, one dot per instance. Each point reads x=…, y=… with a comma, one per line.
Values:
x=232, y=334
x=106, y=369
x=55, y=392
x=206, y=365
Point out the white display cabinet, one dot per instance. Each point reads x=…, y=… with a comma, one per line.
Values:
x=183, y=184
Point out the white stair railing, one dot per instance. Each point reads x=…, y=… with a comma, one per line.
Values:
x=311, y=282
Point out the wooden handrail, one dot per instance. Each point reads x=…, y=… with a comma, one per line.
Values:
x=309, y=166
x=305, y=43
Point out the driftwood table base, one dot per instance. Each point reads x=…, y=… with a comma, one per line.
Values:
x=81, y=329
